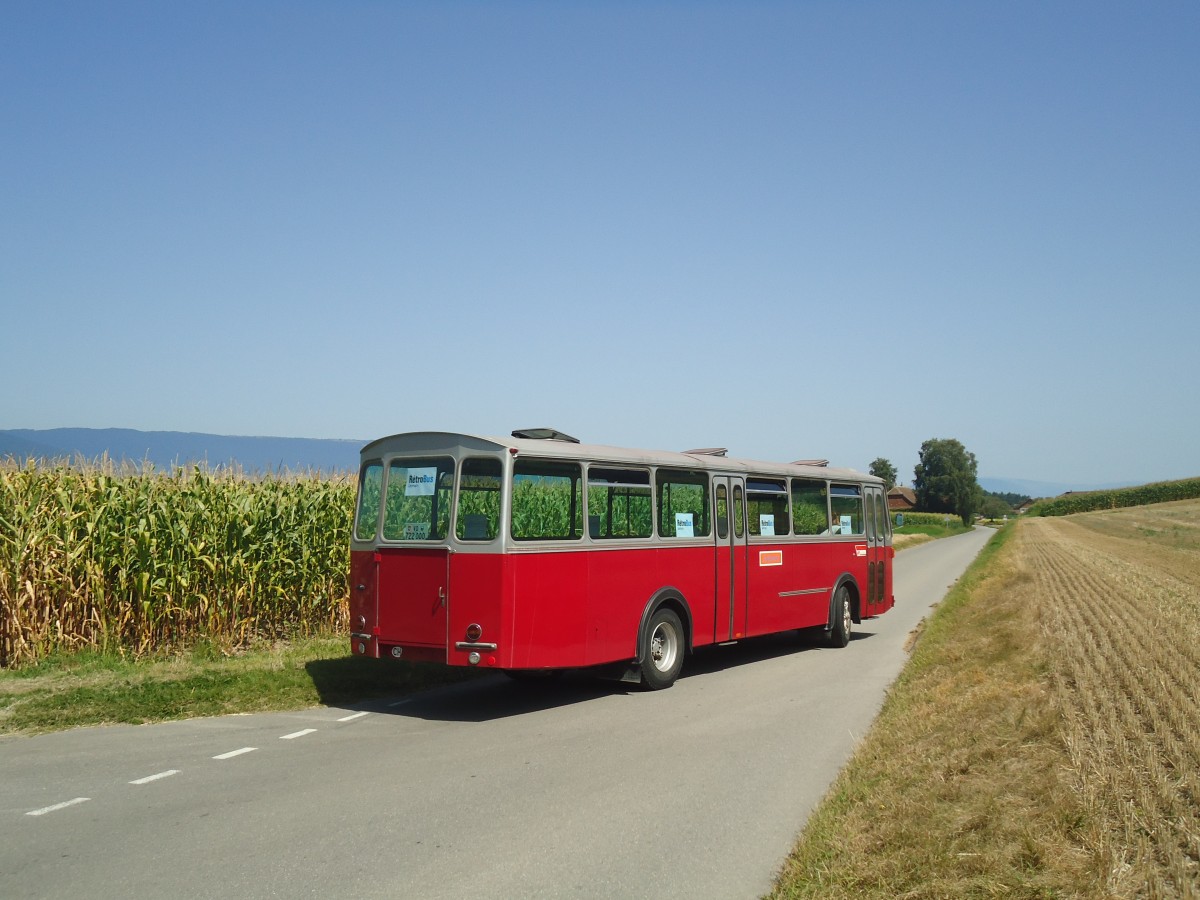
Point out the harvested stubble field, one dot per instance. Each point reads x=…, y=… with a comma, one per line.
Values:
x=1045, y=739
x=1120, y=595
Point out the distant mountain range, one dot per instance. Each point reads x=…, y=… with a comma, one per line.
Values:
x=166, y=449
x=1036, y=489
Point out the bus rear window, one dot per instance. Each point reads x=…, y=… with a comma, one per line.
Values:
x=547, y=501
x=479, y=500
x=417, y=507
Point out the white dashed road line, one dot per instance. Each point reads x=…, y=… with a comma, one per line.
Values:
x=150, y=778
x=169, y=772
x=57, y=806
x=296, y=734
x=233, y=753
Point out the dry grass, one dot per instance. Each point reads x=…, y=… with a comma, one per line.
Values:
x=1045, y=739
x=904, y=541
x=1120, y=597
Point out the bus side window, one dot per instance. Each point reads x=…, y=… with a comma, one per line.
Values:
x=479, y=500
x=846, y=504
x=682, y=503
x=618, y=502
x=810, y=512
x=767, y=500
x=722, y=512
x=547, y=500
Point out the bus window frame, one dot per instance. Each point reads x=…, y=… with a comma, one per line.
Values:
x=580, y=499
x=452, y=502
x=600, y=540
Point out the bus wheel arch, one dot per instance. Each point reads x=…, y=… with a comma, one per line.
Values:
x=664, y=639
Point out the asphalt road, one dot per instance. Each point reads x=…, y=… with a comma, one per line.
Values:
x=488, y=788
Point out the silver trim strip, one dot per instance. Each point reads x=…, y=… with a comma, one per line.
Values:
x=359, y=634
x=799, y=593
x=467, y=645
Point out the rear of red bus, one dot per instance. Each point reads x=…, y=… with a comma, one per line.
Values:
x=417, y=592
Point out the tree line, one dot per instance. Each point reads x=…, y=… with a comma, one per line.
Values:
x=945, y=480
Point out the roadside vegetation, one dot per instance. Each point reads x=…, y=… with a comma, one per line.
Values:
x=921, y=527
x=1088, y=501
x=91, y=688
x=138, y=562
x=1044, y=740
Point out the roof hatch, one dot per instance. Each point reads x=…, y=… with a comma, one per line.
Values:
x=544, y=434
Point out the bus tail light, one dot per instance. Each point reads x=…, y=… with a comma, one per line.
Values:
x=474, y=632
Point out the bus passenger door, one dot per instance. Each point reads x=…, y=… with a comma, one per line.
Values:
x=729, y=505
x=877, y=551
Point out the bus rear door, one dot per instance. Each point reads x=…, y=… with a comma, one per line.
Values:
x=414, y=587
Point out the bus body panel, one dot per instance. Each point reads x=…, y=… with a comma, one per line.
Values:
x=790, y=584
x=852, y=557
x=477, y=597
x=583, y=608
x=547, y=604
x=364, y=603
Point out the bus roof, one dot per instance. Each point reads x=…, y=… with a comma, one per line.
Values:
x=444, y=441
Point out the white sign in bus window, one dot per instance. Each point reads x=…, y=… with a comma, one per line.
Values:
x=684, y=526
x=420, y=482
x=847, y=527
x=766, y=524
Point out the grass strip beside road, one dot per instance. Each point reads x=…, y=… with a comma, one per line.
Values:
x=1044, y=740
x=958, y=790
x=92, y=689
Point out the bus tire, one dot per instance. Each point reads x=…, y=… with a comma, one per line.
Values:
x=662, y=656
x=842, y=618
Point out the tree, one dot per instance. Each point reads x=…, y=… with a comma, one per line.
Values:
x=944, y=479
x=883, y=468
x=993, y=507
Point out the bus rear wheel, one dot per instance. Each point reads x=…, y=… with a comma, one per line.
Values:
x=843, y=618
x=662, y=657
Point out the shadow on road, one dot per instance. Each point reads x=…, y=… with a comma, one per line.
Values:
x=464, y=695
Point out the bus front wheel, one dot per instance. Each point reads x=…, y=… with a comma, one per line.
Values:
x=662, y=654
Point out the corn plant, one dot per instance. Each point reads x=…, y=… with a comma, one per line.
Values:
x=133, y=561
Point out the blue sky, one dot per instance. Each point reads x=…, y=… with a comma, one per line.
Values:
x=791, y=229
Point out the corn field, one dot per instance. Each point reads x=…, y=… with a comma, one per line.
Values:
x=136, y=561
x=1120, y=594
x=1159, y=492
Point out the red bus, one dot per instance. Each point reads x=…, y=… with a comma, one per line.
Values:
x=539, y=553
